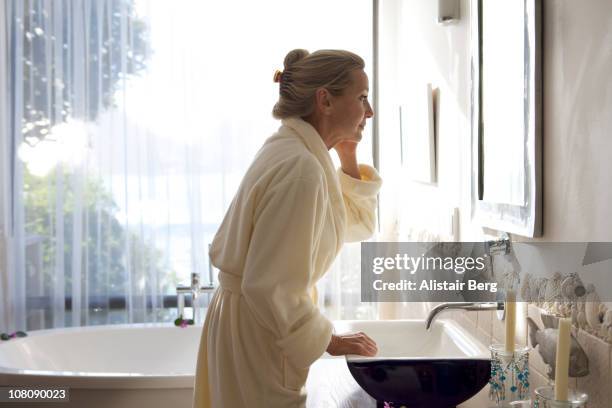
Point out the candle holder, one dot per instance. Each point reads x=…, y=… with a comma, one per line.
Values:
x=509, y=382
x=545, y=398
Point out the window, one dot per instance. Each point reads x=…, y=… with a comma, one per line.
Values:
x=131, y=125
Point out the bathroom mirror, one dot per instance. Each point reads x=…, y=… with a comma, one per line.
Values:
x=506, y=116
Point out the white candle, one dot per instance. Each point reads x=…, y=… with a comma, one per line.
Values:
x=510, y=320
x=562, y=359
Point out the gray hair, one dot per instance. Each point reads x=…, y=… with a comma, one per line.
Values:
x=304, y=73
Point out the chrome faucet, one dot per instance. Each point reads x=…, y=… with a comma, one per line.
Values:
x=195, y=290
x=470, y=306
x=502, y=246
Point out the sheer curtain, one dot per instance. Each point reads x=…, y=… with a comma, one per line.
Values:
x=129, y=126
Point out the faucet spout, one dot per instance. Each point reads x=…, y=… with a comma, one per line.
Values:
x=470, y=306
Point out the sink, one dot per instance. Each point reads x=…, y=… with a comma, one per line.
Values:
x=442, y=367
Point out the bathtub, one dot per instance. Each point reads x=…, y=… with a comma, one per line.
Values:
x=148, y=365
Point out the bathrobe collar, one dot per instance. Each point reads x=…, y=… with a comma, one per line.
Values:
x=316, y=146
x=314, y=143
x=311, y=138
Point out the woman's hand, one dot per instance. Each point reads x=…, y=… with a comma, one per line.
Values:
x=346, y=148
x=347, y=152
x=357, y=343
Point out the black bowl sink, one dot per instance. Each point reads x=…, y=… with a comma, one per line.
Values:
x=417, y=368
x=422, y=383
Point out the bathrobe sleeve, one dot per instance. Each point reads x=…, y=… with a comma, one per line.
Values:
x=360, y=202
x=278, y=272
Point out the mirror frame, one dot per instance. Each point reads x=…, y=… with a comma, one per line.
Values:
x=522, y=220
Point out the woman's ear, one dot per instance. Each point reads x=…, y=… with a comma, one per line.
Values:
x=323, y=101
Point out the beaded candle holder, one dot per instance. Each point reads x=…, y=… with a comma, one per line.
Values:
x=509, y=380
x=545, y=398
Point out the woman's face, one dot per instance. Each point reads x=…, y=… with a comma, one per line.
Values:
x=351, y=109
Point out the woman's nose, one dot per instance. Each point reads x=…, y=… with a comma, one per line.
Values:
x=369, y=111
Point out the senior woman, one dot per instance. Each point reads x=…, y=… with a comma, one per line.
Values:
x=286, y=224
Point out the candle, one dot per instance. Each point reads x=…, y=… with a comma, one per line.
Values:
x=562, y=359
x=510, y=320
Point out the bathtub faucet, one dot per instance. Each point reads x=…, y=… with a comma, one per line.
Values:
x=470, y=306
x=195, y=290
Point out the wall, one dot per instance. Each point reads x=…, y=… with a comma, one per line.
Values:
x=577, y=120
x=421, y=51
x=577, y=99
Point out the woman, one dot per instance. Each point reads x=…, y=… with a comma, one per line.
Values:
x=285, y=226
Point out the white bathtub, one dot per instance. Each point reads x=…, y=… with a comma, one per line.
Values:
x=106, y=366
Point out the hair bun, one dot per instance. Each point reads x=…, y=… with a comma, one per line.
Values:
x=294, y=56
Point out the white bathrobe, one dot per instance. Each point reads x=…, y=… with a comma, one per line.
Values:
x=284, y=228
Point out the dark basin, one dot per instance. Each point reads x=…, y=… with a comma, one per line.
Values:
x=417, y=368
x=422, y=383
